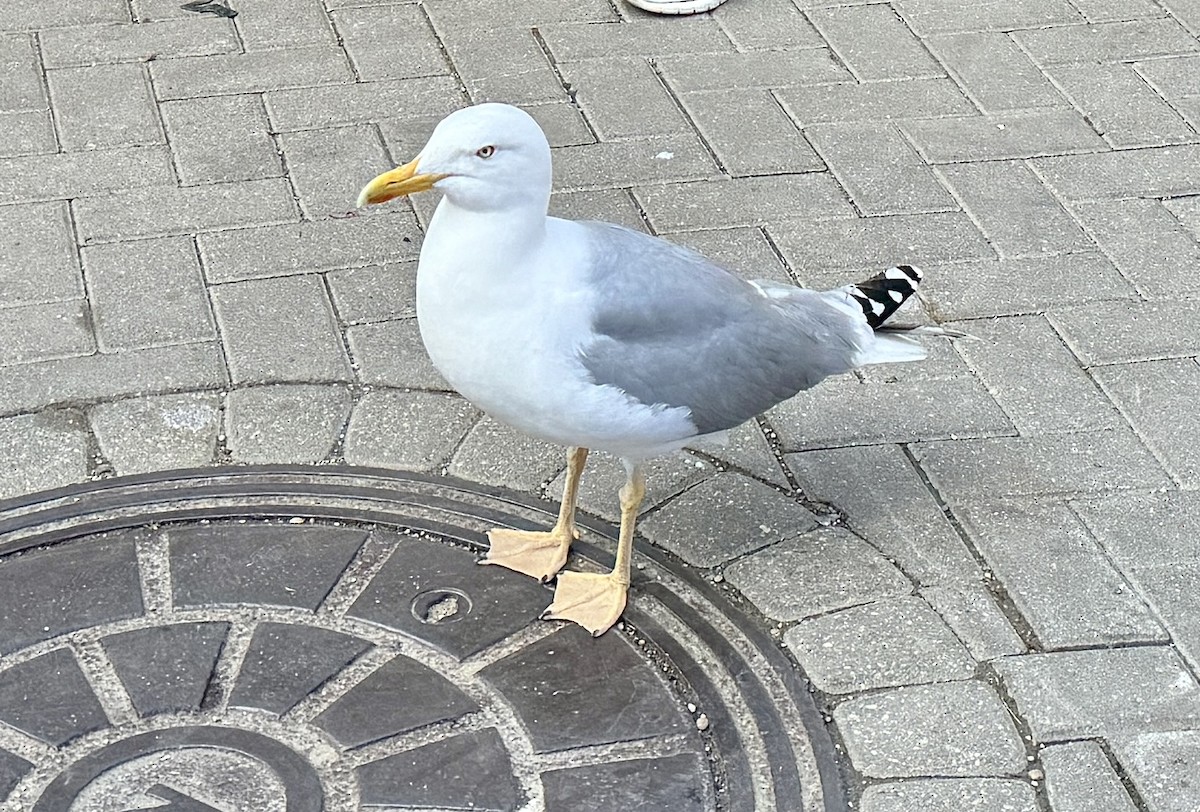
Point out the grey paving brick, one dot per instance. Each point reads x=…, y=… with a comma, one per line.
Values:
x=164, y=210
x=220, y=139
x=80, y=174
x=878, y=168
x=999, y=287
x=1016, y=358
x=1041, y=552
x=724, y=517
x=27, y=15
x=158, y=433
x=935, y=16
x=254, y=72
x=27, y=132
x=659, y=36
x=1103, y=11
x=498, y=63
x=329, y=167
x=1190, y=110
x=874, y=42
x=844, y=102
x=463, y=12
x=147, y=293
x=750, y=132
x=407, y=430
x=107, y=375
x=879, y=242
x=666, y=478
x=1003, y=135
x=1115, y=332
x=1122, y=107
x=607, y=90
x=1014, y=209
x=884, y=499
x=808, y=66
x=994, y=71
x=1163, y=768
x=282, y=423
x=390, y=353
x=1153, y=172
x=990, y=468
x=102, y=44
x=312, y=107
x=609, y=205
x=742, y=201
x=154, y=10
x=767, y=25
x=747, y=449
x=657, y=159
x=1176, y=77
x=39, y=332
x=562, y=122
x=952, y=729
x=1187, y=211
x=374, y=293
x=1186, y=11
x=743, y=250
x=21, y=86
x=41, y=451
x=389, y=42
x=38, y=262
x=1159, y=399
x=103, y=106
x=816, y=573
x=252, y=253
x=495, y=454
x=284, y=24
x=1107, y=42
x=1149, y=246
x=269, y=343
x=1101, y=692
x=1079, y=778
x=951, y=795
x=889, y=643
x=971, y=612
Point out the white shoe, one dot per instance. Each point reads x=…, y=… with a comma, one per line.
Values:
x=676, y=6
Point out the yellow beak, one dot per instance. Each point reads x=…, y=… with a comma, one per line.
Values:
x=403, y=180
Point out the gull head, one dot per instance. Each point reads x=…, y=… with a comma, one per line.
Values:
x=489, y=157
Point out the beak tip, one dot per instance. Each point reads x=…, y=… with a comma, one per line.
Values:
x=363, y=198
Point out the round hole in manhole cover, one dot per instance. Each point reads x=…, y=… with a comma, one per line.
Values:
x=277, y=638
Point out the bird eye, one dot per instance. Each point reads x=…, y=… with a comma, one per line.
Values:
x=486, y=152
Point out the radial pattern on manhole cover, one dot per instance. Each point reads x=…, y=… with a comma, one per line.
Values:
x=322, y=639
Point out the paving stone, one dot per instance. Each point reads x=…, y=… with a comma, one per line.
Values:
x=1015, y=357
x=389, y=42
x=293, y=424
x=1002, y=135
x=49, y=698
x=874, y=43
x=287, y=662
x=292, y=566
x=38, y=262
x=951, y=729
x=1107, y=42
x=609, y=205
x=885, y=500
x=994, y=71
x=950, y=795
x=105, y=44
x=992, y=468
x=653, y=160
x=469, y=771
x=747, y=449
x=221, y=139
x=690, y=72
x=678, y=35
x=495, y=62
x=666, y=477
x=12, y=770
x=1122, y=107
x=741, y=201
x=162, y=210
x=368, y=712
x=60, y=589
x=1079, y=778
x=1014, y=209
x=1174, y=78
x=407, y=430
x=28, y=132
x=253, y=253
x=80, y=174
x=878, y=168
x=103, y=106
x=871, y=101
x=265, y=343
x=147, y=293
x=327, y=167
x=1121, y=332
x=892, y=642
x=41, y=451
x=818, y=572
x=21, y=85
x=1187, y=211
x=935, y=16
x=1163, y=767
x=1186, y=11
x=166, y=669
x=750, y=132
x=495, y=454
x=1152, y=172
x=660, y=783
x=312, y=107
x=1041, y=552
x=391, y=353
x=767, y=25
x=374, y=293
x=158, y=433
x=1157, y=398
x=38, y=14
x=562, y=122
x=44, y=331
x=464, y=12
x=723, y=518
x=254, y=72
x=1104, y=692
x=566, y=701
x=1100, y=11
x=284, y=24
x=1146, y=243
x=604, y=88
x=971, y=612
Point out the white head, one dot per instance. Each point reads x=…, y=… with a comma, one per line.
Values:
x=488, y=157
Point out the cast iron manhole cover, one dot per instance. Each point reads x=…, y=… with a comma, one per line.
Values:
x=321, y=639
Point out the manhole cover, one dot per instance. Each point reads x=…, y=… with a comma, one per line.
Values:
x=322, y=639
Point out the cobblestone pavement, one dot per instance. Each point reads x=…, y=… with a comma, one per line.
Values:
x=986, y=564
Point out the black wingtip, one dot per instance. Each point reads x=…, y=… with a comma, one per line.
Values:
x=882, y=294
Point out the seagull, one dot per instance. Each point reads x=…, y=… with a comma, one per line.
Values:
x=593, y=336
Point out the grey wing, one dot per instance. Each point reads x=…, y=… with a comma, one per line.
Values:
x=673, y=328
